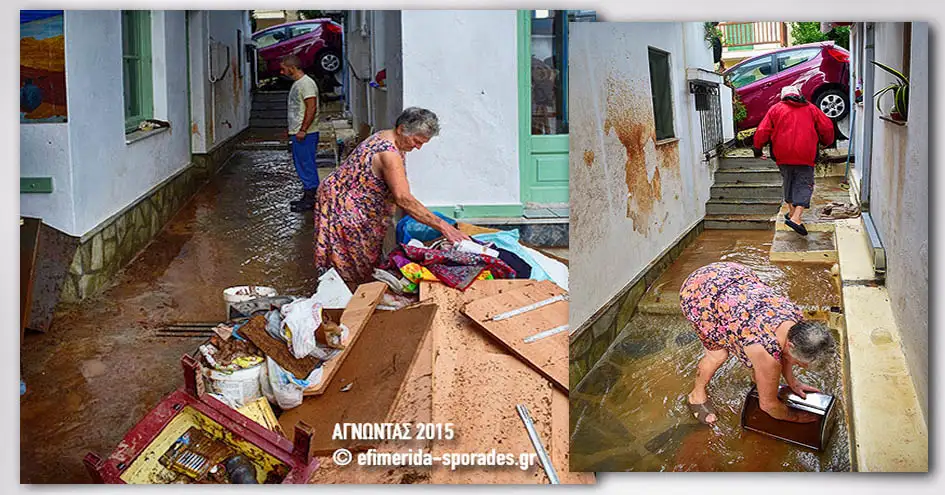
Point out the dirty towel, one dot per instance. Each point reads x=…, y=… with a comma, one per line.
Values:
x=453, y=268
x=837, y=211
x=398, y=284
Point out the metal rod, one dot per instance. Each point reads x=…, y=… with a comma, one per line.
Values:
x=546, y=333
x=530, y=307
x=536, y=442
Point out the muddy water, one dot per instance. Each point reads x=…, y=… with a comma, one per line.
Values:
x=809, y=285
x=630, y=412
x=100, y=367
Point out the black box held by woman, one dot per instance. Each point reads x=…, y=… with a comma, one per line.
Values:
x=811, y=435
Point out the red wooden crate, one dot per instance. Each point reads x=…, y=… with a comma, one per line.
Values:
x=294, y=455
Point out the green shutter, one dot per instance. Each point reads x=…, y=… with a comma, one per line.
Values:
x=136, y=67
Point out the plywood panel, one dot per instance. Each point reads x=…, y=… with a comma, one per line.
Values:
x=480, y=399
x=549, y=355
x=377, y=370
x=355, y=317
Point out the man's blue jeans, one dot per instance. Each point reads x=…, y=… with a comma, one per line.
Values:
x=303, y=154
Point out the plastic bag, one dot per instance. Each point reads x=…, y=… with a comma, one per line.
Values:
x=301, y=319
x=409, y=228
x=332, y=291
x=283, y=388
x=237, y=388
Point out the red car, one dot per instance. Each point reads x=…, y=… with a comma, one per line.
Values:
x=317, y=42
x=820, y=70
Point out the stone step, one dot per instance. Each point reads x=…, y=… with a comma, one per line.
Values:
x=746, y=191
x=267, y=123
x=747, y=163
x=738, y=222
x=748, y=175
x=269, y=114
x=270, y=107
x=816, y=247
x=269, y=96
x=742, y=207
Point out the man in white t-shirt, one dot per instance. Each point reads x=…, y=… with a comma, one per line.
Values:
x=303, y=130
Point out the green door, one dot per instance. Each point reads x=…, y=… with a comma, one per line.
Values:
x=543, y=104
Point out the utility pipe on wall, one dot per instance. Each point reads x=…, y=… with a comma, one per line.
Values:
x=868, y=109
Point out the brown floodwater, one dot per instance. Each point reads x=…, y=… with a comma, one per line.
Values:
x=101, y=366
x=630, y=413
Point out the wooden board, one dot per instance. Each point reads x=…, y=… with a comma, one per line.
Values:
x=453, y=331
x=480, y=399
x=549, y=355
x=377, y=370
x=255, y=331
x=355, y=317
x=29, y=246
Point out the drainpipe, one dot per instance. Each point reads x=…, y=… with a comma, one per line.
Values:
x=868, y=109
x=876, y=243
x=190, y=116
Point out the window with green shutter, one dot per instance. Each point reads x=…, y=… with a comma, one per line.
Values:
x=662, y=92
x=136, y=66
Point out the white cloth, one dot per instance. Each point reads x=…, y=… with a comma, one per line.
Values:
x=304, y=88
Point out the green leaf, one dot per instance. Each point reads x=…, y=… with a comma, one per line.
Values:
x=880, y=93
x=902, y=101
x=894, y=72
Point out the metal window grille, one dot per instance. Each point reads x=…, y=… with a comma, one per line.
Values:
x=709, y=106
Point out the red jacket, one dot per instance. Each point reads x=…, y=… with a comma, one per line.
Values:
x=794, y=129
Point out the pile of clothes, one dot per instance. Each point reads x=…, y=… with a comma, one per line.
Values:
x=422, y=255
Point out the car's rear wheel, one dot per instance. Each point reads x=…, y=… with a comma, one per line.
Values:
x=834, y=103
x=328, y=62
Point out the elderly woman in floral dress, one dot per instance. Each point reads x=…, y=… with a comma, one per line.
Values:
x=734, y=312
x=356, y=203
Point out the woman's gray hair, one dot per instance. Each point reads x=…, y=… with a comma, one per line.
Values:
x=416, y=120
x=812, y=342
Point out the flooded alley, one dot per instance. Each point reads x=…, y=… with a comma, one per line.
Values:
x=630, y=414
x=101, y=367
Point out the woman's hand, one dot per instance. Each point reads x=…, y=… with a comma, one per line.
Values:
x=800, y=389
x=453, y=234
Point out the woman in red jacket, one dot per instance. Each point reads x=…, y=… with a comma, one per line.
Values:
x=794, y=128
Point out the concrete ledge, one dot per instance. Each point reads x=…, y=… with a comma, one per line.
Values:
x=817, y=247
x=890, y=433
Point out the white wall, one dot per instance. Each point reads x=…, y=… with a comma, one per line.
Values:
x=220, y=109
x=899, y=196
x=633, y=200
x=44, y=152
x=463, y=66
x=358, y=51
x=108, y=173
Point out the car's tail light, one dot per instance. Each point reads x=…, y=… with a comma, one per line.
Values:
x=333, y=28
x=841, y=56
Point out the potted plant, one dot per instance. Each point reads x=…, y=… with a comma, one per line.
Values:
x=900, y=90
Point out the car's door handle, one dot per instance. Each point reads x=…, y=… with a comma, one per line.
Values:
x=767, y=85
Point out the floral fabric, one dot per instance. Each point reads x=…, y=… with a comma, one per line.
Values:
x=352, y=212
x=453, y=268
x=731, y=308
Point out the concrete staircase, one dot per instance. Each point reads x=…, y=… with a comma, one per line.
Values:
x=269, y=110
x=746, y=195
